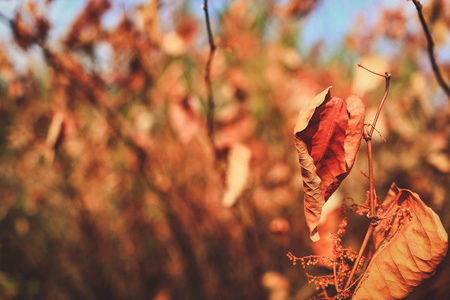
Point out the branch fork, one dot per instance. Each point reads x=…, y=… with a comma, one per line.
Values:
x=367, y=135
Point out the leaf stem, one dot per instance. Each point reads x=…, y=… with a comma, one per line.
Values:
x=430, y=42
x=358, y=258
x=211, y=103
x=372, y=212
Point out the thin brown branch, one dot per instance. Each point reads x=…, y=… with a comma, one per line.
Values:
x=371, y=183
x=372, y=194
x=387, y=77
x=379, y=133
x=358, y=258
x=368, y=70
x=430, y=41
x=336, y=284
x=368, y=137
x=211, y=103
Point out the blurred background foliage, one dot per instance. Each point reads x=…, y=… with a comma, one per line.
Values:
x=109, y=187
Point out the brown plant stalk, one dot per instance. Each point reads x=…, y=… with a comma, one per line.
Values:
x=372, y=213
x=368, y=137
x=430, y=42
x=211, y=103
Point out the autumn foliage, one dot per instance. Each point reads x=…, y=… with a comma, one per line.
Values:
x=112, y=188
x=327, y=137
x=409, y=245
x=409, y=240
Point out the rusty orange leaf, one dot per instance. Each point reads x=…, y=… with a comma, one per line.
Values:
x=327, y=137
x=409, y=246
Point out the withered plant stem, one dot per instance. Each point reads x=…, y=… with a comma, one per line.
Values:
x=368, y=137
x=372, y=212
x=387, y=77
x=430, y=42
x=358, y=258
x=211, y=103
x=336, y=284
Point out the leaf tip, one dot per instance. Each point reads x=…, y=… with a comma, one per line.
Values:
x=324, y=95
x=305, y=115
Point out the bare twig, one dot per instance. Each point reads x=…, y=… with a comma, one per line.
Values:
x=371, y=184
x=368, y=137
x=211, y=104
x=430, y=41
x=387, y=77
x=336, y=284
x=372, y=194
x=379, y=133
x=358, y=259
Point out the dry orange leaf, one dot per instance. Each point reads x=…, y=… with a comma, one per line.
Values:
x=327, y=137
x=409, y=247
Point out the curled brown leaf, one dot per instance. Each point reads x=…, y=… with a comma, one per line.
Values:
x=327, y=137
